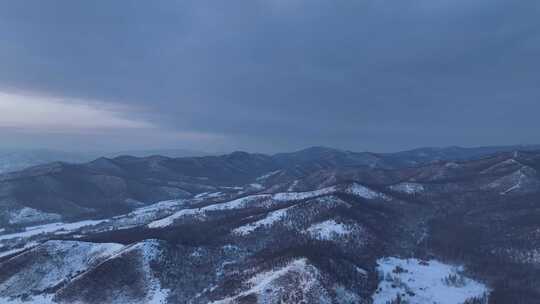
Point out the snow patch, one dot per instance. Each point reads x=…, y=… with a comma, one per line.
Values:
x=409, y=188
x=293, y=185
x=37, y=299
x=268, y=221
x=452, y=165
x=57, y=228
x=235, y=204
x=52, y=263
x=267, y=175
x=365, y=192
x=292, y=196
x=520, y=177
x=168, y=221
x=209, y=194
x=502, y=165
x=256, y=186
x=28, y=215
x=233, y=188
x=159, y=206
x=266, y=288
x=150, y=251
x=424, y=282
x=328, y=230
x=18, y=250
x=522, y=180
x=146, y=214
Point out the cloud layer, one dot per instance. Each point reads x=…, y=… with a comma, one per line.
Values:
x=278, y=75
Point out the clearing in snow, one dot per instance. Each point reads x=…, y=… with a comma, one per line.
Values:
x=425, y=282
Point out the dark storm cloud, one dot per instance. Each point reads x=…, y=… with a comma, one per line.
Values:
x=279, y=75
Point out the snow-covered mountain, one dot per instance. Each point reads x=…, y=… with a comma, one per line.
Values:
x=251, y=228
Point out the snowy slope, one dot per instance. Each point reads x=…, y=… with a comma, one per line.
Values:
x=267, y=201
x=409, y=188
x=328, y=230
x=125, y=277
x=57, y=228
x=424, y=282
x=270, y=219
x=27, y=215
x=365, y=192
x=273, y=286
x=51, y=264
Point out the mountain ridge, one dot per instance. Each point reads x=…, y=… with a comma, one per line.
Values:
x=312, y=229
x=107, y=186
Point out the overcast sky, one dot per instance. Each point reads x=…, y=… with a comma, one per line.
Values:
x=273, y=75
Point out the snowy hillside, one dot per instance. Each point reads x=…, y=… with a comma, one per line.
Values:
x=425, y=282
x=281, y=236
x=49, y=266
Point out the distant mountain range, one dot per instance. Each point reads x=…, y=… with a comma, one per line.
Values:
x=108, y=186
x=320, y=225
x=18, y=159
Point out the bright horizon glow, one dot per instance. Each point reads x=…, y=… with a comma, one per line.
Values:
x=45, y=114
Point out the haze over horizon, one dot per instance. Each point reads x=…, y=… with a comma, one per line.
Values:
x=84, y=155
x=268, y=76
